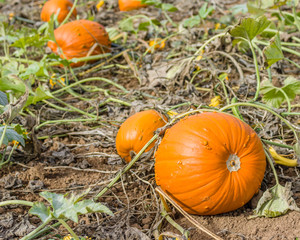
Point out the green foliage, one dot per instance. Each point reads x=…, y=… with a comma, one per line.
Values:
x=66, y=208
x=273, y=53
x=3, y=99
x=275, y=96
x=163, y=6
x=249, y=28
x=276, y=201
x=10, y=135
x=203, y=13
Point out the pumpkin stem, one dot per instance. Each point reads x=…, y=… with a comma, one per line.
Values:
x=233, y=163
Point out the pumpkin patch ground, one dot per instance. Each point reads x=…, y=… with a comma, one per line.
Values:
x=62, y=108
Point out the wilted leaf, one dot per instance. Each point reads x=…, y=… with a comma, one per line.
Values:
x=273, y=52
x=39, y=209
x=127, y=25
x=276, y=201
x=275, y=96
x=296, y=148
x=249, y=28
x=204, y=11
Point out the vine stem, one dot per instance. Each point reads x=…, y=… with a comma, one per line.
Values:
x=272, y=166
x=65, y=120
x=3, y=135
x=256, y=70
x=90, y=80
x=130, y=164
x=277, y=144
x=73, y=234
x=69, y=14
x=39, y=228
x=264, y=108
x=10, y=202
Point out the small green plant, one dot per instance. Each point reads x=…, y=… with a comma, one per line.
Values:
x=203, y=13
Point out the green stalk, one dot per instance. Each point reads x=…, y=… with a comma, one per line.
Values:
x=3, y=135
x=11, y=202
x=272, y=166
x=11, y=152
x=65, y=121
x=69, y=14
x=290, y=113
x=46, y=229
x=39, y=228
x=264, y=108
x=69, y=229
x=207, y=42
x=89, y=80
x=130, y=164
x=282, y=47
x=277, y=144
x=175, y=224
x=256, y=71
x=292, y=62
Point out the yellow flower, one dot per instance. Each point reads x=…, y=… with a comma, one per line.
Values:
x=52, y=83
x=68, y=237
x=200, y=56
x=217, y=26
x=62, y=81
x=14, y=142
x=11, y=16
x=216, y=101
x=157, y=43
x=99, y=4
x=172, y=113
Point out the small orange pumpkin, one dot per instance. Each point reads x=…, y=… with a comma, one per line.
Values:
x=136, y=131
x=53, y=6
x=80, y=38
x=128, y=5
x=210, y=163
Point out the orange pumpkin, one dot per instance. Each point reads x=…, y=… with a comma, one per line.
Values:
x=53, y=6
x=128, y=5
x=80, y=38
x=136, y=131
x=210, y=163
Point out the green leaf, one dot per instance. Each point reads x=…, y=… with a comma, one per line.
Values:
x=192, y=21
x=11, y=135
x=275, y=96
x=39, y=95
x=204, y=11
x=71, y=207
x=276, y=201
x=249, y=28
x=3, y=99
x=127, y=25
x=168, y=7
x=39, y=209
x=12, y=83
x=273, y=52
x=239, y=8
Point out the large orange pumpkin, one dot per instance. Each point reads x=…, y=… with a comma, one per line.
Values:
x=80, y=38
x=210, y=163
x=53, y=6
x=128, y=5
x=136, y=131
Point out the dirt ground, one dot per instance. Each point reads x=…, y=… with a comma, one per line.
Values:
x=77, y=156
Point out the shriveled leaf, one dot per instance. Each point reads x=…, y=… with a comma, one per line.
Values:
x=11, y=83
x=11, y=135
x=39, y=209
x=249, y=28
x=273, y=52
x=276, y=201
x=296, y=148
x=127, y=25
x=3, y=99
x=275, y=96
